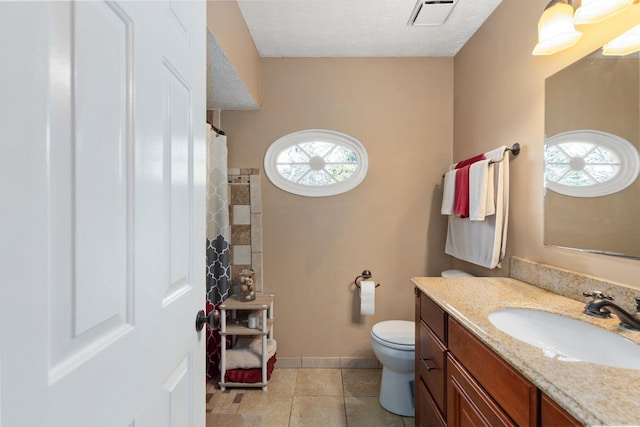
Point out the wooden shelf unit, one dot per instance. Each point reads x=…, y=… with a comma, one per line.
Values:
x=238, y=327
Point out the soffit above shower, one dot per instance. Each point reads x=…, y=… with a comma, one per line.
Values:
x=225, y=88
x=362, y=28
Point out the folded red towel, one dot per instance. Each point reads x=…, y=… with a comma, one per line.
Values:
x=253, y=375
x=461, y=202
x=470, y=161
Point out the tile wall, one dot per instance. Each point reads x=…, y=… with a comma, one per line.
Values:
x=245, y=219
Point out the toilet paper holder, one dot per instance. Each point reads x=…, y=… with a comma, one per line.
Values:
x=366, y=275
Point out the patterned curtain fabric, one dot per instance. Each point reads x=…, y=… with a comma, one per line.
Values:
x=218, y=269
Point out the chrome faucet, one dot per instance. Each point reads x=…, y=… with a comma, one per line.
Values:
x=601, y=306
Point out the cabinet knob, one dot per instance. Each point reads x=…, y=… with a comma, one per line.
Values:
x=426, y=365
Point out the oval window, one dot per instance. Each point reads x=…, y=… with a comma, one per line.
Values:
x=316, y=163
x=589, y=163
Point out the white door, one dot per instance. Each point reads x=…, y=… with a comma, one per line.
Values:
x=102, y=179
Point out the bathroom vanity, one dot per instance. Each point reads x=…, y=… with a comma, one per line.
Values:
x=468, y=372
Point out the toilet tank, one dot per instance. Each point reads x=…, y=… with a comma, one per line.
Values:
x=455, y=273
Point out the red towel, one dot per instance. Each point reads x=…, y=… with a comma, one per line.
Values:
x=253, y=375
x=461, y=201
x=470, y=161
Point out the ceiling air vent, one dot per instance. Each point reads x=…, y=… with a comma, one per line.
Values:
x=431, y=12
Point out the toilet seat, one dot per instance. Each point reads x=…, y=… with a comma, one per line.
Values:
x=398, y=334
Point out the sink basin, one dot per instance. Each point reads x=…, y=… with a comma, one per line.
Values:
x=566, y=339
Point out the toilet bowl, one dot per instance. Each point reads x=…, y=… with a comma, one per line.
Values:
x=393, y=342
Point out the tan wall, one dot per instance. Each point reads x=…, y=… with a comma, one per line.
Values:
x=401, y=110
x=499, y=99
x=227, y=25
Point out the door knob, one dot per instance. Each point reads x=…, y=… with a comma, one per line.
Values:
x=213, y=319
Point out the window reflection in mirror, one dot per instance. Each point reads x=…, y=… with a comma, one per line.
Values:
x=593, y=106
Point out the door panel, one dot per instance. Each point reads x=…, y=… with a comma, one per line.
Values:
x=179, y=394
x=103, y=174
x=89, y=192
x=178, y=145
x=101, y=149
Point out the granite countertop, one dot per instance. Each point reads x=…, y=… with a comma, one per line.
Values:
x=593, y=394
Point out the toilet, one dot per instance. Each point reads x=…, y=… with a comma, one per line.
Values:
x=393, y=342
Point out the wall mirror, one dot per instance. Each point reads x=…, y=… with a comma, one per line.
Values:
x=592, y=138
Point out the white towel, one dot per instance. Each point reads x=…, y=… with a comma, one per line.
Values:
x=484, y=242
x=246, y=354
x=448, y=193
x=481, y=191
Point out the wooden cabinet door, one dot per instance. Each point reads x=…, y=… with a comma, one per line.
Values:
x=552, y=415
x=427, y=413
x=468, y=405
x=432, y=361
x=516, y=395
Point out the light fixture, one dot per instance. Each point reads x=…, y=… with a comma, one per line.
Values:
x=592, y=11
x=556, y=31
x=624, y=44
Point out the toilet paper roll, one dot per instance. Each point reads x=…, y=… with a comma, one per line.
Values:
x=367, y=297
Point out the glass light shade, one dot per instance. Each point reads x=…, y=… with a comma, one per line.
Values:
x=592, y=11
x=556, y=31
x=624, y=44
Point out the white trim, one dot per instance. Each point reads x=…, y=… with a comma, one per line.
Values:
x=329, y=362
x=310, y=135
x=626, y=152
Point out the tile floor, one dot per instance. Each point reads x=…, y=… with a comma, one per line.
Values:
x=305, y=398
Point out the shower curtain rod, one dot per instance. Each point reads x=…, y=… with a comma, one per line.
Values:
x=216, y=130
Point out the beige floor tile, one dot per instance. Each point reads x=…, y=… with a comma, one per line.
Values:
x=273, y=408
x=361, y=382
x=225, y=402
x=282, y=382
x=319, y=382
x=305, y=398
x=367, y=412
x=234, y=420
x=409, y=421
x=318, y=411
x=359, y=363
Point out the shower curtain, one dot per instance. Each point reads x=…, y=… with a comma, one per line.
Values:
x=218, y=268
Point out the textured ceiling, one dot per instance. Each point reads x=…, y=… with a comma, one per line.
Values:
x=337, y=28
x=357, y=28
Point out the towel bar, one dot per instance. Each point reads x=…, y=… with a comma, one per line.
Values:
x=515, y=150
